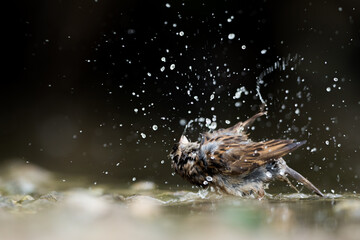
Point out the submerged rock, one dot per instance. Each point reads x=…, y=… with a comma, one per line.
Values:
x=19, y=177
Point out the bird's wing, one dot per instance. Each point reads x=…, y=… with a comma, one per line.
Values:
x=239, y=129
x=230, y=155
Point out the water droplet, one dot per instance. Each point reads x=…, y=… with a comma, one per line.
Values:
x=172, y=66
x=182, y=122
x=131, y=31
x=133, y=179
x=155, y=127
x=263, y=51
x=208, y=178
x=231, y=36
x=213, y=125
x=143, y=135
x=168, y=5
x=328, y=89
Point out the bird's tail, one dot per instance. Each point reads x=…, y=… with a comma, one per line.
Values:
x=298, y=177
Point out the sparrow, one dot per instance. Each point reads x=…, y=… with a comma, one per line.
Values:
x=230, y=162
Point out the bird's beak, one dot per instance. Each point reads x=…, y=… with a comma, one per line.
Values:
x=183, y=140
x=298, y=177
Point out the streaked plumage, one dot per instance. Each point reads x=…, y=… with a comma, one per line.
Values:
x=229, y=161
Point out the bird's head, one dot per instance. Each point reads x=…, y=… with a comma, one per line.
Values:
x=183, y=149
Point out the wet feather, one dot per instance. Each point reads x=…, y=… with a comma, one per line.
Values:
x=235, y=164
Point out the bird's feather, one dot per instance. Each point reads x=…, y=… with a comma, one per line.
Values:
x=230, y=152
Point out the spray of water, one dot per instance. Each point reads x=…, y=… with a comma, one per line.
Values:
x=279, y=65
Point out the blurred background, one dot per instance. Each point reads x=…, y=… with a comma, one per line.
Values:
x=104, y=88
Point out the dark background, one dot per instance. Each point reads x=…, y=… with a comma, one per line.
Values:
x=85, y=82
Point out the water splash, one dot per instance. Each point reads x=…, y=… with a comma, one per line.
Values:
x=211, y=124
x=187, y=125
x=281, y=64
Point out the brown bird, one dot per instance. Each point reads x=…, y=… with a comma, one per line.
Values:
x=229, y=161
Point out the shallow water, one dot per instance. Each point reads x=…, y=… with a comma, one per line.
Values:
x=53, y=209
x=88, y=213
